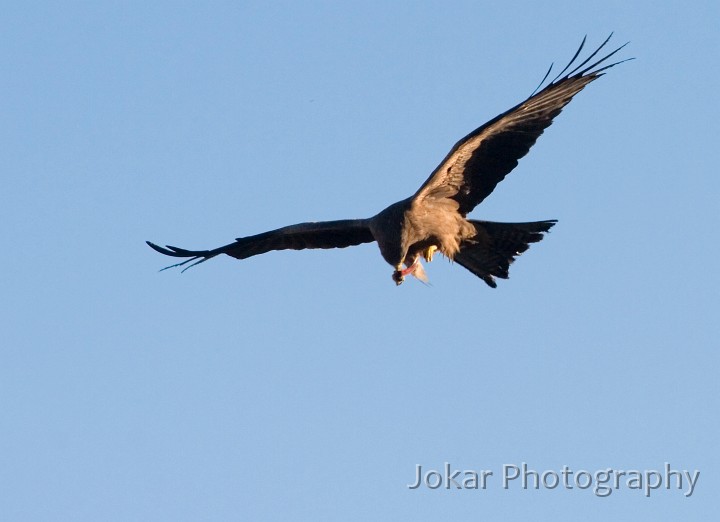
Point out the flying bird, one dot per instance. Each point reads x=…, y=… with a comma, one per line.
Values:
x=434, y=219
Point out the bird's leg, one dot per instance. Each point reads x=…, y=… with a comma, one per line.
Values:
x=428, y=253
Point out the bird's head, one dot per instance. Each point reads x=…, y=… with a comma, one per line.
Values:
x=415, y=269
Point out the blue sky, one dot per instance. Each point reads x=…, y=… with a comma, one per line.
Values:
x=305, y=385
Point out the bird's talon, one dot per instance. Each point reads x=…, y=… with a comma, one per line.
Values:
x=428, y=254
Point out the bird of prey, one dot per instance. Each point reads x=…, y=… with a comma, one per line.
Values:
x=434, y=219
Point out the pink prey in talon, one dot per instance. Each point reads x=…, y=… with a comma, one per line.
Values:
x=415, y=269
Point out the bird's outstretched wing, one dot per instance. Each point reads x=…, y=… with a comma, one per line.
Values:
x=324, y=234
x=482, y=159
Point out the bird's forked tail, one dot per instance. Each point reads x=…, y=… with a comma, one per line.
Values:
x=490, y=253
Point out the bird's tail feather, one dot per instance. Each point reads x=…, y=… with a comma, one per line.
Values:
x=490, y=253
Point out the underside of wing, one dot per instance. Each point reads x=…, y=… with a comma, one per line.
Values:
x=324, y=234
x=479, y=161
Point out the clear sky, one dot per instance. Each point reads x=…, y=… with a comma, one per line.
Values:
x=306, y=385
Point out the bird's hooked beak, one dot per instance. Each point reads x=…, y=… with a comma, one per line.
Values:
x=415, y=269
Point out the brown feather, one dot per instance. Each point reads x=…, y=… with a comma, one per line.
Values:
x=478, y=162
x=434, y=218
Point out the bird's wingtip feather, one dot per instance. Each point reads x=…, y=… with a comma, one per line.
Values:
x=160, y=249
